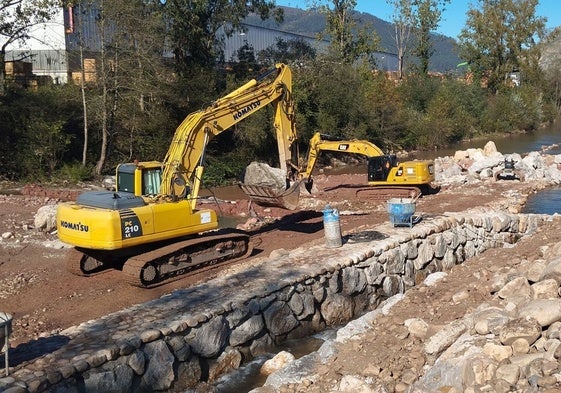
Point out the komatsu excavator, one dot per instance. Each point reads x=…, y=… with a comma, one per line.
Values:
x=387, y=178
x=150, y=225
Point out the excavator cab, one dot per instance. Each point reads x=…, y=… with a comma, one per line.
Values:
x=139, y=178
x=379, y=167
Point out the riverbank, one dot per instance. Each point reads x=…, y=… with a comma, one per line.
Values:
x=45, y=299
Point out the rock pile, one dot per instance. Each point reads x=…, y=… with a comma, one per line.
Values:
x=513, y=345
x=472, y=165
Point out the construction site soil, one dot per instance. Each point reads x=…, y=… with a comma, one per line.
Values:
x=44, y=298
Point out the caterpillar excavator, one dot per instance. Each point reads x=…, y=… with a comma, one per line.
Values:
x=387, y=177
x=150, y=226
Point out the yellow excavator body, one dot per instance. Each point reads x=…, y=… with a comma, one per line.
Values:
x=151, y=226
x=105, y=229
x=419, y=172
x=386, y=175
x=133, y=216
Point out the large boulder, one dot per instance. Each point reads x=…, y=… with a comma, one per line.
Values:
x=263, y=175
x=45, y=218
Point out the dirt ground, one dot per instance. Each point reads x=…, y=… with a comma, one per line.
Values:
x=44, y=298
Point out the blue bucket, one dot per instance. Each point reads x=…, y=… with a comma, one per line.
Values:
x=401, y=211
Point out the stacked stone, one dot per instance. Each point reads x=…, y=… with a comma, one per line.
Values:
x=511, y=345
x=198, y=334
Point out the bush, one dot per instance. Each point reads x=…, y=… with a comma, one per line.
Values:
x=223, y=170
x=74, y=173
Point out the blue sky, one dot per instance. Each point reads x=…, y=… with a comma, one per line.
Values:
x=453, y=18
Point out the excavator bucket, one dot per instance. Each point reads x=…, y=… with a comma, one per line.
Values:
x=267, y=186
x=271, y=196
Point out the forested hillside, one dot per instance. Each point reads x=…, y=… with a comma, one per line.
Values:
x=310, y=23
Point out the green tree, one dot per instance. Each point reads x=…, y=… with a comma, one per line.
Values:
x=500, y=38
x=246, y=64
x=382, y=108
x=196, y=27
x=130, y=74
x=427, y=16
x=418, y=18
x=332, y=98
x=37, y=130
x=346, y=42
x=552, y=74
x=448, y=114
x=17, y=17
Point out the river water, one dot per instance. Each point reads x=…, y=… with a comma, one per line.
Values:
x=546, y=201
x=516, y=143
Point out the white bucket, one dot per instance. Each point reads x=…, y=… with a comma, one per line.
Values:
x=332, y=227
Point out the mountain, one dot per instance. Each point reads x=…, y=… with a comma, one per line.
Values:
x=551, y=51
x=310, y=22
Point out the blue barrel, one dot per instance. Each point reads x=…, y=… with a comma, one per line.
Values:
x=332, y=227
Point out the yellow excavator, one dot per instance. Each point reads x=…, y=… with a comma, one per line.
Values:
x=150, y=225
x=387, y=177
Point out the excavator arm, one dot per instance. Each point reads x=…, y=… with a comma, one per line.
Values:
x=386, y=176
x=321, y=142
x=183, y=165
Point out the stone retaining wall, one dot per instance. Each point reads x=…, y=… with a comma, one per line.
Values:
x=203, y=332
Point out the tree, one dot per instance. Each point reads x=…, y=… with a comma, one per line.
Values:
x=500, y=37
x=129, y=73
x=287, y=51
x=552, y=72
x=196, y=27
x=37, y=130
x=334, y=98
x=403, y=21
x=246, y=63
x=427, y=18
x=17, y=17
x=420, y=18
x=346, y=42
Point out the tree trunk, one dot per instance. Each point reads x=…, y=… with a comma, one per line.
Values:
x=84, y=105
x=2, y=72
x=104, y=100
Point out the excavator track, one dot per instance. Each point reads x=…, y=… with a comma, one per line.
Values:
x=85, y=263
x=382, y=193
x=180, y=259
